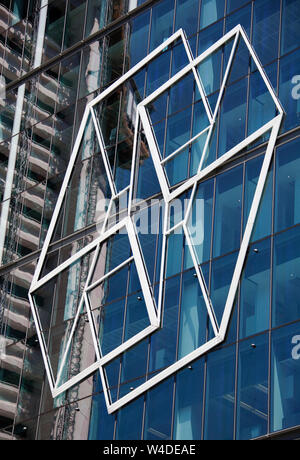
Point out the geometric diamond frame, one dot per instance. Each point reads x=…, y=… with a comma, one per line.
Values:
x=169, y=194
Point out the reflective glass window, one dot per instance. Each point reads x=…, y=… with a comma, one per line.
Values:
x=74, y=22
x=289, y=89
x=290, y=25
x=189, y=402
x=158, y=422
x=255, y=290
x=219, y=400
x=286, y=276
x=252, y=399
x=285, y=378
x=228, y=208
x=287, y=204
x=266, y=18
x=129, y=424
x=162, y=23
x=211, y=11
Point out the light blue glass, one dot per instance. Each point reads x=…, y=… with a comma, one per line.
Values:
x=211, y=11
x=189, y=402
x=228, y=207
x=286, y=274
x=289, y=94
x=129, y=422
x=220, y=391
x=285, y=378
x=174, y=252
x=162, y=23
x=233, y=116
x=262, y=108
x=178, y=130
x=210, y=72
x=287, y=194
x=266, y=19
x=193, y=315
x=252, y=393
x=177, y=168
x=290, y=25
x=221, y=278
x=158, y=422
x=200, y=221
x=255, y=290
x=263, y=223
x=163, y=342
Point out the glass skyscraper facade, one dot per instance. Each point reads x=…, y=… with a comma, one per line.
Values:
x=56, y=58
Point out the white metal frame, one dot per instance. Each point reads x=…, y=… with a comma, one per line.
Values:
x=169, y=194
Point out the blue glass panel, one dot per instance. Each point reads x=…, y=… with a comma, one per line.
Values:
x=193, y=315
x=138, y=38
x=187, y=16
x=211, y=11
x=129, y=422
x=233, y=116
x=158, y=71
x=242, y=16
x=147, y=182
x=137, y=318
x=290, y=25
x=220, y=389
x=289, y=89
x=112, y=373
x=286, y=276
x=174, y=252
x=262, y=108
x=163, y=342
x=162, y=23
x=177, y=168
x=111, y=289
x=189, y=402
x=228, y=209
x=110, y=321
x=266, y=18
x=209, y=36
x=134, y=366
x=221, y=278
x=181, y=94
x=234, y=4
x=252, y=395
x=287, y=205
x=255, y=290
x=200, y=222
x=101, y=423
x=196, y=152
x=263, y=222
x=158, y=422
x=179, y=58
x=285, y=378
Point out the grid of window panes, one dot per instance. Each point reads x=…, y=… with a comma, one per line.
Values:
x=248, y=387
